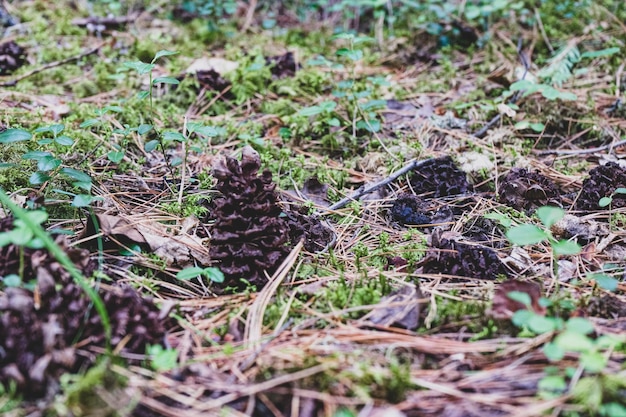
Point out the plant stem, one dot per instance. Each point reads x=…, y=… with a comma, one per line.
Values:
x=64, y=260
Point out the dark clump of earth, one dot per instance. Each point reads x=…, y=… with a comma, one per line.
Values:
x=484, y=231
x=282, y=66
x=449, y=257
x=602, y=182
x=439, y=177
x=12, y=57
x=317, y=237
x=527, y=190
x=411, y=209
x=40, y=325
x=212, y=80
x=250, y=234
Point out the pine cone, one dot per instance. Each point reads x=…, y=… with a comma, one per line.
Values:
x=602, y=182
x=527, y=190
x=249, y=235
x=439, y=177
x=38, y=328
x=12, y=57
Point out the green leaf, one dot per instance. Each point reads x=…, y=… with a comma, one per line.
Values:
x=165, y=80
x=503, y=219
x=12, y=280
x=202, y=129
x=521, y=317
x=537, y=127
x=580, y=325
x=526, y=234
x=565, y=95
x=620, y=190
x=37, y=216
x=38, y=178
x=605, y=201
x=142, y=94
x=48, y=163
x=549, y=215
x=36, y=155
x=554, y=383
x=151, y=145
x=173, y=136
x=214, y=274
x=141, y=67
x=89, y=123
x=613, y=409
x=600, y=53
x=163, y=53
x=76, y=174
x=573, y=341
x=540, y=324
x=15, y=135
x=553, y=351
x=605, y=281
x=114, y=109
x=162, y=359
x=144, y=128
x=115, y=156
x=83, y=185
x=593, y=361
x=566, y=247
x=56, y=128
x=520, y=297
x=189, y=273
x=328, y=106
x=64, y=140
x=310, y=111
x=82, y=200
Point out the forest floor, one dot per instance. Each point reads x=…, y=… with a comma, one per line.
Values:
x=337, y=208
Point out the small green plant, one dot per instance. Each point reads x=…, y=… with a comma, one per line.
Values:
x=162, y=359
x=143, y=68
x=608, y=201
x=575, y=336
x=211, y=273
x=530, y=234
x=45, y=241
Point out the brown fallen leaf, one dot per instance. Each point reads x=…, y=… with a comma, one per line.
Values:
x=399, y=309
x=177, y=247
x=503, y=307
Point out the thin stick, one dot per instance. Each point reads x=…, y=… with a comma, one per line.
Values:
x=482, y=131
x=583, y=151
x=52, y=65
x=394, y=176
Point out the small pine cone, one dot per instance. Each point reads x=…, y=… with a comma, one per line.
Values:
x=602, y=182
x=528, y=190
x=38, y=328
x=12, y=57
x=249, y=235
x=439, y=177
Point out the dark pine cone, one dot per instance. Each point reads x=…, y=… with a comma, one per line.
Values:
x=466, y=260
x=249, y=235
x=439, y=177
x=12, y=56
x=38, y=329
x=527, y=190
x=602, y=182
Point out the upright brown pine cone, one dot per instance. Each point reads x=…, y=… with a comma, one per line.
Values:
x=249, y=235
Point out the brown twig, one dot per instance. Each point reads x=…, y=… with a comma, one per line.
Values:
x=52, y=65
x=249, y=15
x=583, y=151
x=366, y=190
